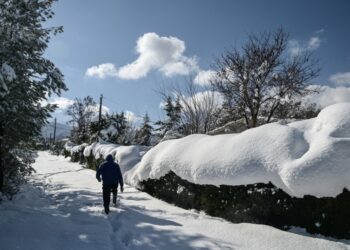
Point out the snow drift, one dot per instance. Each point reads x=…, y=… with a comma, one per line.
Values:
x=306, y=157
x=126, y=156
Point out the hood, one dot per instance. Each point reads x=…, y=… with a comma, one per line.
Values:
x=109, y=158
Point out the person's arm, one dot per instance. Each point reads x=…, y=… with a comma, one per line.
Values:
x=120, y=178
x=98, y=173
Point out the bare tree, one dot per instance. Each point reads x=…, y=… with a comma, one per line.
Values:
x=81, y=113
x=261, y=76
x=198, y=106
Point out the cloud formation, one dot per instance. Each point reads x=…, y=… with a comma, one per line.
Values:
x=329, y=95
x=340, y=79
x=62, y=102
x=295, y=47
x=165, y=54
x=132, y=117
x=102, y=71
x=204, y=77
x=205, y=99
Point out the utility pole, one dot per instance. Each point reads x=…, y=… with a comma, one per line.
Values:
x=100, y=115
x=54, y=132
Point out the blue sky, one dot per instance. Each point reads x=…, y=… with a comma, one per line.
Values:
x=97, y=51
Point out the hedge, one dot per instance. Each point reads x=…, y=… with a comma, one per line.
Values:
x=258, y=203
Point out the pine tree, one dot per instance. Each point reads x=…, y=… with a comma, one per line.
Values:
x=96, y=127
x=173, y=116
x=26, y=79
x=145, y=132
x=119, y=123
x=116, y=129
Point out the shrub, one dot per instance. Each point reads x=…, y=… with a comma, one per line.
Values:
x=257, y=203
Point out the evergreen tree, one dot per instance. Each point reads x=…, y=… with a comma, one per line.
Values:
x=119, y=123
x=96, y=126
x=116, y=129
x=143, y=136
x=176, y=115
x=173, y=116
x=26, y=79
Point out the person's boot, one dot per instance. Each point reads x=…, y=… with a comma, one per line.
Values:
x=107, y=210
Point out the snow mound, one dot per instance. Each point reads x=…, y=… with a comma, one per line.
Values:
x=126, y=156
x=69, y=145
x=309, y=157
x=78, y=148
x=335, y=120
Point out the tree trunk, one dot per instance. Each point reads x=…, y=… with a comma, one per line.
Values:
x=272, y=111
x=254, y=121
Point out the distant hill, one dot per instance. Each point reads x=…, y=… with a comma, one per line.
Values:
x=62, y=130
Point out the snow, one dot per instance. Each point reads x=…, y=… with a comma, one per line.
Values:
x=110, y=130
x=8, y=72
x=78, y=148
x=69, y=145
x=306, y=157
x=61, y=208
x=126, y=156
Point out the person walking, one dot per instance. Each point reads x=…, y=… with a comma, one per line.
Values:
x=111, y=178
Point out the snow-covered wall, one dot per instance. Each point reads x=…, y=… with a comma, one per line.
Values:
x=306, y=157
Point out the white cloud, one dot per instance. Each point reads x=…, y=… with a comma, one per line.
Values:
x=165, y=54
x=295, y=47
x=104, y=110
x=204, y=77
x=132, y=118
x=320, y=31
x=330, y=95
x=342, y=79
x=62, y=105
x=205, y=100
x=314, y=43
x=62, y=102
x=102, y=71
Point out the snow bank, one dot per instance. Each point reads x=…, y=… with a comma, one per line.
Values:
x=306, y=157
x=126, y=156
x=69, y=145
x=78, y=148
x=72, y=148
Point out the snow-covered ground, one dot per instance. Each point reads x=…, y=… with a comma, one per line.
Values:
x=61, y=208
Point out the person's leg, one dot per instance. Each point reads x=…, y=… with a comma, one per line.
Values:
x=106, y=197
x=115, y=192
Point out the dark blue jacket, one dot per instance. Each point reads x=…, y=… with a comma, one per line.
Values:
x=110, y=171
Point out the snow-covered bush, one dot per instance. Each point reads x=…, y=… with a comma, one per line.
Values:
x=294, y=174
x=309, y=157
x=257, y=203
x=126, y=156
x=74, y=151
x=17, y=168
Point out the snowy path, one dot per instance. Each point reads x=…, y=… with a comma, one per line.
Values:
x=61, y=208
